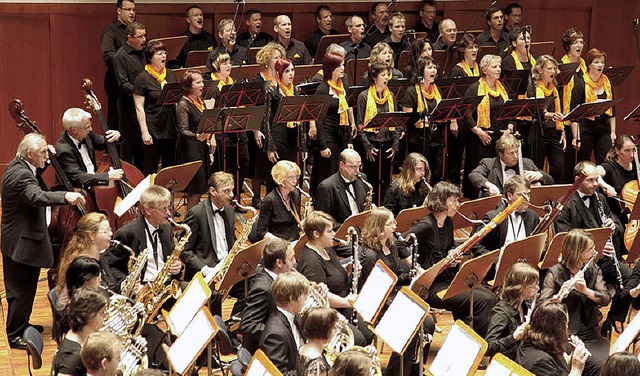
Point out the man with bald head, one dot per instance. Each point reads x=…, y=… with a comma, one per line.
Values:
x=343, y=194
x=197, y=37
x=297, y=52
x=447, y=36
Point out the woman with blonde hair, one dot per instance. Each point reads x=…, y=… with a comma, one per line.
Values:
x=381, y=53
x=412, y=185
x=267, y=57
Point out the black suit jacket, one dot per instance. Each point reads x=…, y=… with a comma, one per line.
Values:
x=259, y=307
x=331, y=197
x=71, y=161
x=133, y=234
x=491, y=169
x=200, y=250
x=25, y=238
x=496, y=238
x=278, y=343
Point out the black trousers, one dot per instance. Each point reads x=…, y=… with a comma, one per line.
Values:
x=594, y=137
x=236, y=157
x=379, y=170
x=325, y=167
x=20, y=283
x=161, y=150
x=476, y=151
x=550, y=147
x=455, y=149
x=130, y=130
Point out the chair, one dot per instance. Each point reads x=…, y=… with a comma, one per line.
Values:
x=239, y=366
x=56, y=328
x=35, y=345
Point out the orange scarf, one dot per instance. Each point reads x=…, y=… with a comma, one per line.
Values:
x=160, y=77
x=267, y=77
x=215, y=77
x=484, y=108
x=590, y=89
x=519, y=66
x=423, y=95
x=568, y=88
x=475, y=72
x=198, y=104
x=343, y=106
x=373, y=101
x=542, y=92
x=289, y=91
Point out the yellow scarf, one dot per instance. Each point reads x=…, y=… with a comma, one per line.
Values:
x=160, y=77
x=320, y=72
x=475, y=72
x=543, y=91
x=423, y=95
x=198, y=104
x=343, y=106
x=288, y=91
x=267, y=77
x=590, y=89
x=568, y=88
x=373, y=101
x=519, y=66
x=215, y=77
x=484, y=108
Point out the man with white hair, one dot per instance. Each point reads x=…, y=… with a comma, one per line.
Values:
x=297, y=52
x=76, y=150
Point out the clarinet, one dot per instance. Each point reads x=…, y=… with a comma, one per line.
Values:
x=355, y=275
x=614, y=258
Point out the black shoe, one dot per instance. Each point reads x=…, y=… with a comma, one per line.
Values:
x=17, y=343
x=256, y=202
x=39, y=328
x=607, y=327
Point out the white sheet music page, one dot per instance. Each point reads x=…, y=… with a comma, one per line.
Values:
x=398, y=324
x=187, y=346
x=133, y=197
x=627, y=336
x=450, y=360
x=187, y=306
x=373, y=292
x=497, y=369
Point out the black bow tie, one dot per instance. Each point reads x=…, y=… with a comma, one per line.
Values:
x=519, y=213
x=82, y=142
x=349, y=183
x=514, y=168
x=587, y=197
x=219, y=211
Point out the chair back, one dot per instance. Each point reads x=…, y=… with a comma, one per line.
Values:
x=56, y=328
x=35, y=345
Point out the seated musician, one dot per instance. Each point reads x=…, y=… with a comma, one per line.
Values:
x=282, y=334
x=517, y=226
x=587, y=292
x=319, y=325
x=101, y=354
x=76, y=148
x=508, y=317
x=86, y=314
x=150, y=231
x=277, y=257
x=619, y=169
x=582, y=211
x=342, y=194
x=212, y=224
x=435, y=242
x=544, y=345
x=490, y=175
x=411, y=187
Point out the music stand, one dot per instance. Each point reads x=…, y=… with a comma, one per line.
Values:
x=173, y=45
x=515, y=81
x=634, y=114
x=357, y=67
x=501, y=365
x=552, y=257
x=486, y=50
x=566, y=73
x=470, y=275
x=444, y=60
x=242, y=267
x=308, y=88
x=514, y=108
x=353, y=93
x=186, y=348
x=587, y=110
x=299, y=244
x=356, y=220
x=546, y=195
x=325, y=41
x=460, y=353
x=261, y=365
x=528, y=250
x=618, y=75
x=408, y=217
x=454, y=108
x=245, y=94
x=196, y=58
x=302, y=108
x=375, y=292
x=454, y=87
x=176, y=178
x=403, y=60
x=245, y=71
x=391, y=121
x=180, y=72
x=628, y=336
x=398, y=86
x=305, y=71
x=171, y=93
x=188, y=304
x=542, y=48
x=253, y=52
x=474, y=209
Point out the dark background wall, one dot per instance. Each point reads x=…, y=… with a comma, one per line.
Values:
x=47, y=49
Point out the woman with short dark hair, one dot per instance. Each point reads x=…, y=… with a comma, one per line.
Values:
x=318, y=328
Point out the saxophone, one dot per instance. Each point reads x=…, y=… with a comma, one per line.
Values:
x=154, y=293
x=135, y=267
x=368, y=204
x=233, y=252
x=308, y=205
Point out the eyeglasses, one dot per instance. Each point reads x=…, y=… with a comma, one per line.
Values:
x=353, y=167
x=293, y=178
x=128, y=9
x=163, y=209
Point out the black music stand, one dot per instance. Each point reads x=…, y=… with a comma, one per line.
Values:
x=444, y=60
x=515, y=81
x=634, y=114
x=357, y=67
x=587, y=110
x=245, y=94
x=618, y=75
x=308, y=88
x=352, y=94
x=398, y=86
x=325, y=41
x=171, y=92
x=542, y=48
x=305, y=71
x=566, y=73
x=381, y=121
x=514, y=108
x=454, y=87
x=245, y=72
x=173, y=45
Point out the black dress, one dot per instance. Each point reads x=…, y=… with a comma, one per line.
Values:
x=396, y=201
x=161, y=122
x=312, y=367
x=617, y=176
x=189, y=148
x=277, y=219
x=67, y=360
x=504, y=321
x=540, y=362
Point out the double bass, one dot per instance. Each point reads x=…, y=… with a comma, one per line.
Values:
x=108, y=197
x=629, y=194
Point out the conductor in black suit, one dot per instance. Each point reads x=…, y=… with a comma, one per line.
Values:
x=491, y=173
x=278, y=257
x=282, y=335
x=212, y=224
x=149, y=231
x=518, y=225
x=76, y=150
x=343, y=194
x=26, y=246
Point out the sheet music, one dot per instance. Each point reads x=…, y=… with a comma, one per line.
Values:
x=133, y=197
x=373, y=292
x=404, y=310
x=260, y=365
x=497, y=369
x=627, y=336
x=190, y=302
x=450, y=360
x=194, y=338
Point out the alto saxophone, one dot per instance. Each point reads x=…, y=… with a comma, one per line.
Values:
x=308, y=205
x=233, y=252
x=135, y=267
x=154, y=293
x=368, y=203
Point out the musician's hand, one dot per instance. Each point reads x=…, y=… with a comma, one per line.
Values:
x=402, y=134
x=147, y=139
x=112, y=136
x=581, y=285
x=563, y=141
x=372, y=154
x=579, y=358
x=313, y=132
x=533, y=176
x=176, y=267
x=116, y=174
x=484, y=136
x=305, y=155
x=206, y=270
x=259, y=137
x=74, y=198
x=608, y=190
x=391, y=152
x=519, y=332
x=325, y=153
x=491, y=188
x=609, y=223
x=575, y=143
x=613, y=137
x=351, y=299
x=213, y=146
x=608, y=250
x=273, y=156
x=203, y=137
x=453, y=127
x=354, y=130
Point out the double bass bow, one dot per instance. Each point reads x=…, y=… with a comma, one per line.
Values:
x=108, y=197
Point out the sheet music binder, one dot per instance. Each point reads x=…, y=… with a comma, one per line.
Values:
x=375, y=292
x=450, y=361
